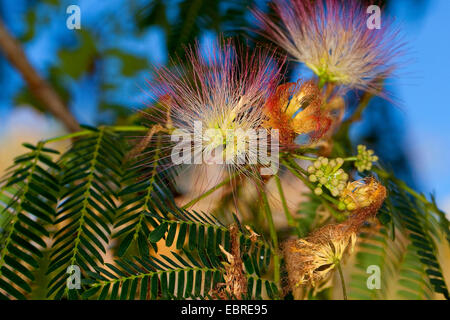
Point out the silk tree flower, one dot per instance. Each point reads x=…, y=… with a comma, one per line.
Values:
x=214, y=95
x=297, y=108
x=363, y=197
x=332, y=38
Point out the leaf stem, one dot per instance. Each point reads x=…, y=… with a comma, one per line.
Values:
x=209, y=191
x=290, y=219
x=85, y=132
x=274, y=237
x=67, y=136
x=129, y=128
x=341, y=275
x=403, y=185
x=301, y=157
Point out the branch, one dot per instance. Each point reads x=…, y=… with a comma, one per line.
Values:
x=38, y=86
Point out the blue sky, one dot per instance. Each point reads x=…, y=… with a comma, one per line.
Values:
x=422, y=89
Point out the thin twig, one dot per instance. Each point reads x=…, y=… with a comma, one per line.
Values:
x=290, y=219
x=341, y=275
x=274, y=238
x=37, y=85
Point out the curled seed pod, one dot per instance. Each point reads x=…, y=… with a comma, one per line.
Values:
x=311, y=260
x=235, y=282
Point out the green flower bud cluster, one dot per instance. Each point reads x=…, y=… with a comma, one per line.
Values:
x=364, y=158
x=328, y=173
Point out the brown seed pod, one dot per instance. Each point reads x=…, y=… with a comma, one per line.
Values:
x=310, y=260
x=235, y=284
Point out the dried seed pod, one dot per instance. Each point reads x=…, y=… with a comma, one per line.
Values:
x=311, y=260
x=235, y=284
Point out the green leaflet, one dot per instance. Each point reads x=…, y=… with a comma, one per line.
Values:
x=80, y=198
x=90, y=179
x=144, y=191
x=28, y=198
